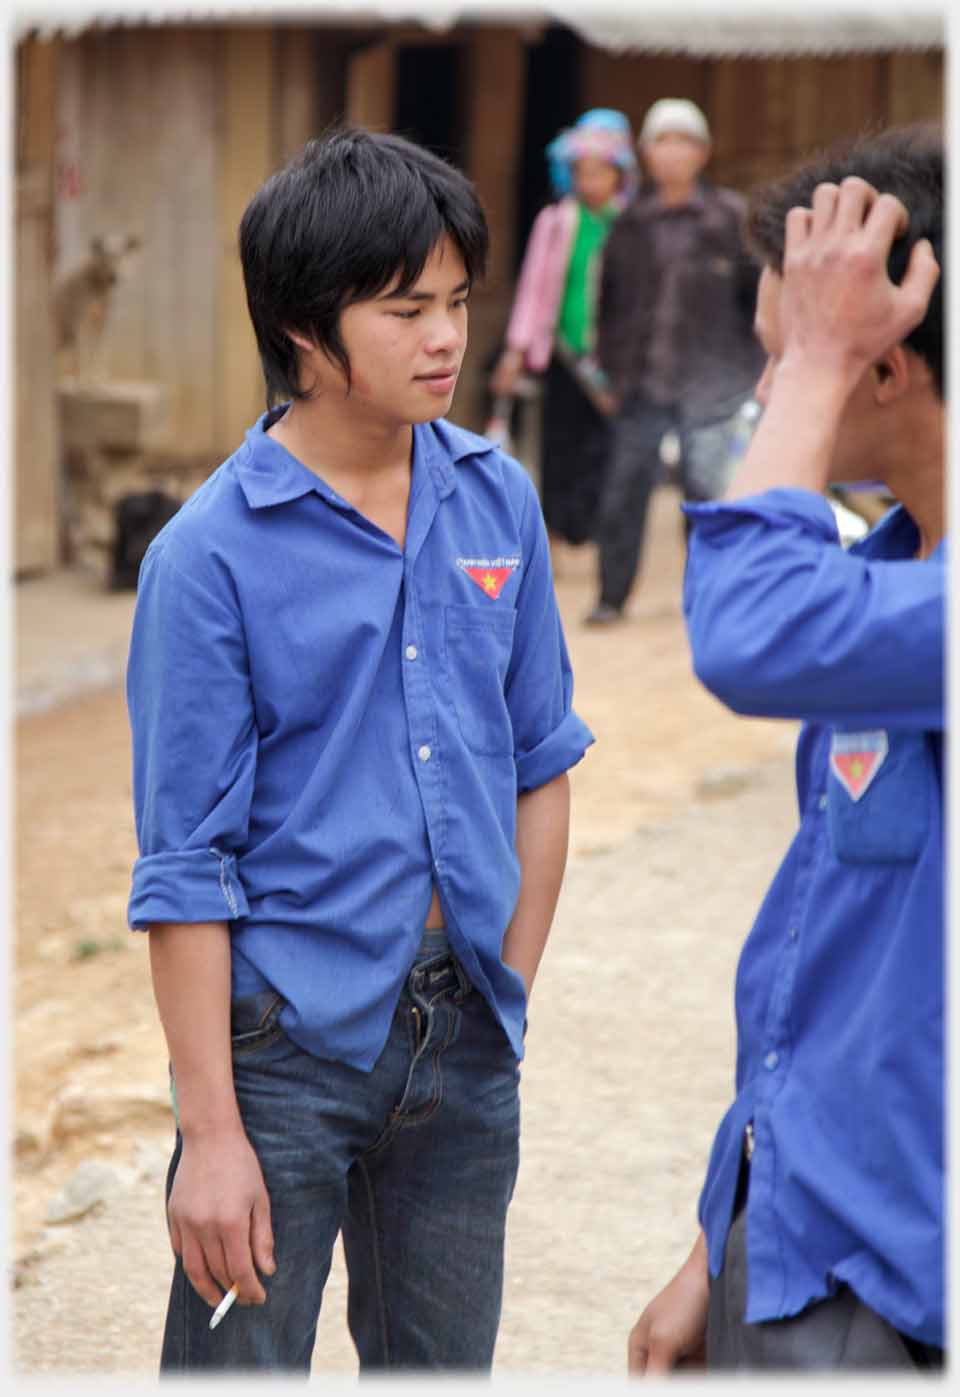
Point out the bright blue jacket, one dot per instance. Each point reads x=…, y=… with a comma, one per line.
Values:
x=840, y=986
x=326, y=725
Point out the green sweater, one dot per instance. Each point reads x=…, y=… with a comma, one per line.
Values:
x=575, y=323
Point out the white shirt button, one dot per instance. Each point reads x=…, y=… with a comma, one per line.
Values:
x=424, y=753
x=823, y=802
x=411, y=652
x=793, y=933
x=771, y=1060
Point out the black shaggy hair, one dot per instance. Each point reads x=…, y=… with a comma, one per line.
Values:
x=353, y=213
x=906, y=161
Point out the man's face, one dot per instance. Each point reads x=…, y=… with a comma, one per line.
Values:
x=674, y=158
x=405, y=350
x=854, y=454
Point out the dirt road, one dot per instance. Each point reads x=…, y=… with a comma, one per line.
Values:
x=681, y=812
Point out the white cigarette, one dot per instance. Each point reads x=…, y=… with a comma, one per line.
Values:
x=222, y=1308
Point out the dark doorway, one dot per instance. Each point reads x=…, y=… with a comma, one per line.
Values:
x=428, y=107
x=553, y=101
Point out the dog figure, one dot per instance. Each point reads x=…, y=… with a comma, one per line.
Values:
x=81, y=303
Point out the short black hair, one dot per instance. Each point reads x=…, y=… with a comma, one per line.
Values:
x=903, y=160
x=354, y=212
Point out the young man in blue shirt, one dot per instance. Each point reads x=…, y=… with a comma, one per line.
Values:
x=823, y=1209
x=351, y=708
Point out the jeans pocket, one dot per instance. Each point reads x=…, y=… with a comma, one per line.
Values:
x=255, y=1021
x=479, y=646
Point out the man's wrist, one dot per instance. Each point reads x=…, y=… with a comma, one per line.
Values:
x=203, y=1129
x=824, y=384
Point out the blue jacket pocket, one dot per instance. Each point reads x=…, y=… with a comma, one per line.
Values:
x=479, y=646
x=878, y=794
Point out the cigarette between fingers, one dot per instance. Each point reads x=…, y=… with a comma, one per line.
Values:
x=223, y=1307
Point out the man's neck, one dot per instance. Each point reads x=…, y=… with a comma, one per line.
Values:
x=340, y=442
x=922, y=495
x=916, y=477
x=676, y=195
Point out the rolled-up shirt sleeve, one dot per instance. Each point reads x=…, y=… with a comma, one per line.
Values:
x=784, y=622
x=549, y=737
x=194, y=746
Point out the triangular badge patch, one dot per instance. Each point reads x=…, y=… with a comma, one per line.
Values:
x=855, y=759
x=490, y=580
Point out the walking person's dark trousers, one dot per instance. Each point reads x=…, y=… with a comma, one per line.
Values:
x=633, y=470
x=839, y=1333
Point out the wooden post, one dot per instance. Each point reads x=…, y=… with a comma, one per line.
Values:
x=247, y=157
x=494, y=96
x=371, y=83
x=494, y=119
x=296, y=90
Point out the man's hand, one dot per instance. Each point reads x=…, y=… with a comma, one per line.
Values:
x=219, y=1211
x=830, y=319
x=671, y=1331
x=607, y=402
x=219, y=1217
x=507, y=371
x=838, y=306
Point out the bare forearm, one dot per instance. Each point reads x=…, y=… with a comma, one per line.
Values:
x=190, y=965
x=543, y=826
x=794, y=441
x=219, y=1210
x=671, y=1332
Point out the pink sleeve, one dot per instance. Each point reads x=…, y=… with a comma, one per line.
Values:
x=532, y=302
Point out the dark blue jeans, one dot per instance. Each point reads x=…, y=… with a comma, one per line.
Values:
x=415, y=1161
x=633, y=470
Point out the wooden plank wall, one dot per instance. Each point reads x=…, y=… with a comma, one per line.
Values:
x=143, y=107
x=168, y=130
x=768, y=113
x=36, y=475
x=915, y=87
x=172, y=130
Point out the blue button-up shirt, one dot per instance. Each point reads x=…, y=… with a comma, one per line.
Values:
x=326, y=725
x=839, y=996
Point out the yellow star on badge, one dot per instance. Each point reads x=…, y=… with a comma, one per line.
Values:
x=489, y=583
x=856, y=770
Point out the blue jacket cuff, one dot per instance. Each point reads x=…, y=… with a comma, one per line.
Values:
x=192, y=885
x=779, y=506
x=555, y=754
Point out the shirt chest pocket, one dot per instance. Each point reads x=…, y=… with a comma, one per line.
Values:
x=478, y=645
x=878, y=795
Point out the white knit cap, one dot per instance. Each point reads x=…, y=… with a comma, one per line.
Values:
x=674, y=114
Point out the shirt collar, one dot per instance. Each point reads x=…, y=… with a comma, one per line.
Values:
x=267, y=471
x=896, y=536
x=270, y=475
x=444, y=446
